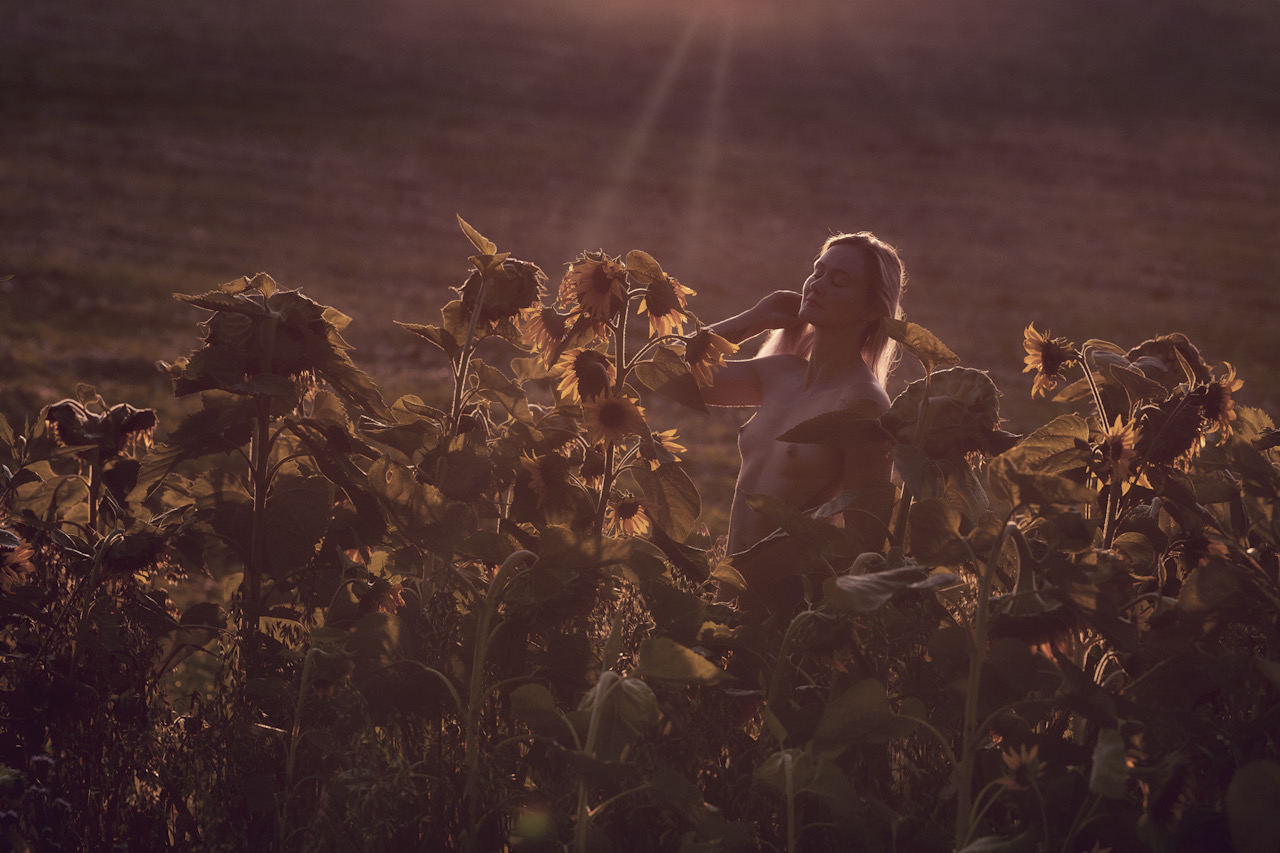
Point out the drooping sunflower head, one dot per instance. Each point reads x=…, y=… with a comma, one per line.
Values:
x=1048, y=357
x=120, y=427
x=704, y=352
x=628, y=517
x=594, y=285
x=543, y=331
x=612, y=419
x=15, y=560
x=665, y=300
x=513, y=287
x=586, y=374
x=1169, y=433
x=1115, y=450
x=1215, y=400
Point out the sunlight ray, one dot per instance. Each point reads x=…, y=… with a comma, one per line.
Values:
x=588, y=233
x=697, y=216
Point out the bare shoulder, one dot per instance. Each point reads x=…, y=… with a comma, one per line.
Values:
x=780, y=368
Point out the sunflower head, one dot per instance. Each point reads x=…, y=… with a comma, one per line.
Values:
x=1023, y=767
x=1047, y=357
x=15, y=560
x=595, y=285
x=665, y=302
x=1215, y=400
x=1115, y=450
x=111, y=432
x=628, y=517
x=661, y=448
x=704, y=352
x=612, y=419
x=544, y=331
x=513, y=287
x=586, y=374
x=1168, y=432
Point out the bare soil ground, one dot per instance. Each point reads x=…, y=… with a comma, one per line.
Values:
x=1106, y=169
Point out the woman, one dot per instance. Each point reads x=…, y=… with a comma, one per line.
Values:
x=829, y=351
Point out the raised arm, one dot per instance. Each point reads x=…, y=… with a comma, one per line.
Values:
x=737, y=382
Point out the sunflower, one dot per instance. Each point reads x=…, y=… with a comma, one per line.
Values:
x=628, y=517
x=1047, y=357
x=612, y=419
x=544, y=330
x=15, y=560
x=705, y=352
x=664, y=300
x=662, y=448
x=1115, y=450
x=547, y=475
x=119, y=428
x=587, y=373
x=1023, y=766
x=595, y=284
x=1216, y=402
x=514, y=287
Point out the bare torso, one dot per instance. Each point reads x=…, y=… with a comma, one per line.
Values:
x=803, y=475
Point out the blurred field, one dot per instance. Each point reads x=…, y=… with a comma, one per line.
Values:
x=1107, y=169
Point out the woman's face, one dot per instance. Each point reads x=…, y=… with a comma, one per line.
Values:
x=838, y=293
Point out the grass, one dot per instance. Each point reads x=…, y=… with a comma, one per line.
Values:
x=1080, y=164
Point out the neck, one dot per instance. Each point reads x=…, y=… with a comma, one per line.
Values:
x=836, y=355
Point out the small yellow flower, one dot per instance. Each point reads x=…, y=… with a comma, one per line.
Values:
x=663, y=448
x=704, y=352
x=587, y=373
x=595, y=283
x=1047, y=357
x=1023, y=765
x=628, y=517
x=665, y=301
x=1114, y=451
x=15, y=561
x=612, y=419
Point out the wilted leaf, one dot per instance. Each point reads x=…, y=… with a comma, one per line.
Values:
x=483, y=244
x=921, y=343
x=642, y=267
x=866, y=593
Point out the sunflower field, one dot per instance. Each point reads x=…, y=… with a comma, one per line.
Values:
x=307, y=618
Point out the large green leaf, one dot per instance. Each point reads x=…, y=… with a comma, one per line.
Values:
x=642, y=267
x=297, y=515
x=861, y=714
x=627, y=708
x=1042, y=490
x=866, y=593
x=668, y=374
x=935, y=533
x=672, y=498
x=852, y=427
x=921, y=343
x=1060, y=445
x=663, y=659
x=819, y=537
x=1251, y=807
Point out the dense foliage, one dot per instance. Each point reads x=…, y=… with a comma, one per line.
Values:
x=310, y=620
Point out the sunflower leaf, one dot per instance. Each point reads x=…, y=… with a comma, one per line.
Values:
x=483, y=244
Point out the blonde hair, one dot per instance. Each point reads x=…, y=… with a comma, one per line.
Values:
x=888, y=279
